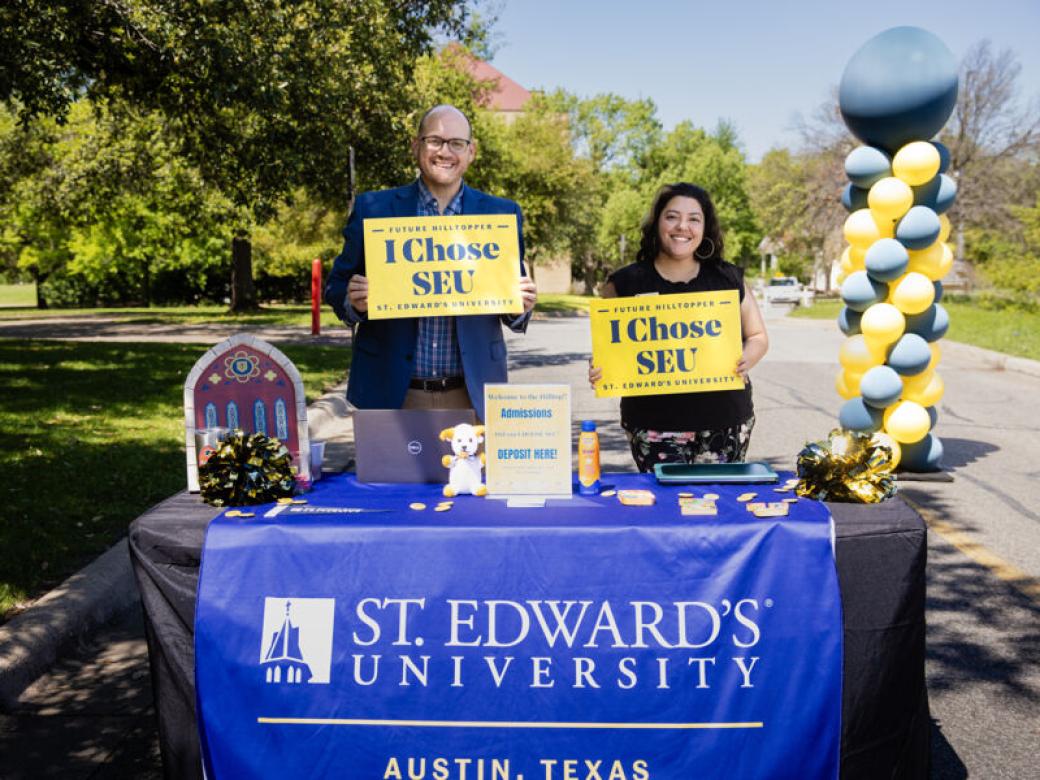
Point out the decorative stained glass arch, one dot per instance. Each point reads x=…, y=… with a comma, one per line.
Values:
x=244, y=377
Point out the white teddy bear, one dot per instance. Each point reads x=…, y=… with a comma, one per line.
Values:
x=465, y=465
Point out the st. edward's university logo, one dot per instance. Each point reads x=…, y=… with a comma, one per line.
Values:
x=296, y=641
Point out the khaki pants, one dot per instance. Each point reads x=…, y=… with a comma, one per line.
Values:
x=450, y=399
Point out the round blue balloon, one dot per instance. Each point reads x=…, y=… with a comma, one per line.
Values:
x=854, y=198
x=927, y=193
x=909, y=355
x=931, y=324
x=918, y=228
x=938, y=291
x=848, y=320
x=944, y=156
x=924, y=455
x=933, y=416
x=860, y=292
x=866, y=165
x=886, y=260
x=946, y=193
x=855, y=415
x=900, y=86
x=881, y=387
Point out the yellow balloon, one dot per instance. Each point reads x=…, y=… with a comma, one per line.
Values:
x=916, y=163
x=856, y=355
x=927, y=261
x=936, y=356
x=847, y=384
x=884, y=439
x=906, y=422
x=925, y=388
x=890, y=198
x=946, y=263
x=882, y=324
x=853, y=258
x=861, y=230
x=912, y=293
x=944, y=227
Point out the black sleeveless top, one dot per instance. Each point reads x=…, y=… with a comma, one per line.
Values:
x=707, y=411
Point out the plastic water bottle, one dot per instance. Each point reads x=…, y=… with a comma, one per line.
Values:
x=588, y=459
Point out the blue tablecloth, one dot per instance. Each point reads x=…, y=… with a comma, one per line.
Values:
x=585, y=637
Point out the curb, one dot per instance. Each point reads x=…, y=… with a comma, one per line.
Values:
x=994, y=360
x=31, y=642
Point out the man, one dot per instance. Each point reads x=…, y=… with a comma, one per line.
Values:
x=429, y=362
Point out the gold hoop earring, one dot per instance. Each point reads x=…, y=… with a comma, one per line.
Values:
x=710, y=254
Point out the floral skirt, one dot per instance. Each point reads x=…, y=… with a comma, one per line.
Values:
x=725, y=445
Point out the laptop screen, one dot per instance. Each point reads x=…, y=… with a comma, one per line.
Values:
x=403, y=445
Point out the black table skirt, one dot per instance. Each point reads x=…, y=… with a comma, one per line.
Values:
x=881, y=555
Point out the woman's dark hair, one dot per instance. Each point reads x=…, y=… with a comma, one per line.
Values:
x=650, y=244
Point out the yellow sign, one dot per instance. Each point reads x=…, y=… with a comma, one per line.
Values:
x=442, y=266
x=528, y=440
x=659, y=344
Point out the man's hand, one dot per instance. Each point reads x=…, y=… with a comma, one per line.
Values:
x=357, y=293
x=529, y=293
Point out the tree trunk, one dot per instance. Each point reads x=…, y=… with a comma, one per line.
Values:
x=243, y=293
x=41, y=302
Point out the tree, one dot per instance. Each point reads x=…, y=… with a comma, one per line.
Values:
x=101, y=208
x=263, y=96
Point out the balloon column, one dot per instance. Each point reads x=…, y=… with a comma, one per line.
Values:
x=896, y=92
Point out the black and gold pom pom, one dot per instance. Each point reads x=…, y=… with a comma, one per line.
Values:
x=849, y=467
x=247, y=469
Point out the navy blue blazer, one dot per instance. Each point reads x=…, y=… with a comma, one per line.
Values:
x=384, y=350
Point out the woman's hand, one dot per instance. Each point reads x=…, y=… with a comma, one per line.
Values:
x=595, y=374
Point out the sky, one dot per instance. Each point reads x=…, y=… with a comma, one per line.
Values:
x=756, y=63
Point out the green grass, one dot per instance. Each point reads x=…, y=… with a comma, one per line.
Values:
x=562, y=303
x=1013, y=332
x=91, y=435
x=17, y=295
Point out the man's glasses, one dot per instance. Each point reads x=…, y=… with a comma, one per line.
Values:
x=435, y=143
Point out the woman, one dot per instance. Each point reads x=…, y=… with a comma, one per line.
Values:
x=681, y=252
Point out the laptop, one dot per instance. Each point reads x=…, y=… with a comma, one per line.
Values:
x=403, y=445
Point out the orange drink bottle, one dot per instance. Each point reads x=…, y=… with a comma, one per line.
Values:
x=588, y=459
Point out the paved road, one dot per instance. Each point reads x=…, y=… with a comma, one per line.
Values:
x=984, y=550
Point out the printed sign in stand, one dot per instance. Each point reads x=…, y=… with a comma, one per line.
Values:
x=654, y=345
x=442, y=266
x=528, y=440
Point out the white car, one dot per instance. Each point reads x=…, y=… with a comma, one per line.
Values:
x=783, y=289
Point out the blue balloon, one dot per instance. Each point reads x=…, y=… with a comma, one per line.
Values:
x=944, y=156
x=866, y=165
x=933, y=416
x=946, y=194
x=900, y=86
x=909, y=355
x=918, y=228
x=855, y=415
x=927, y=193
x=854, y=198
x=938, y=291
x=931, y=324
x=881, y=387
x=848, y=320
x=886, y=260
x=923, y=455
x=860, y=292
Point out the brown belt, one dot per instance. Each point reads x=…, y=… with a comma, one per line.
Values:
x=440, y=385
